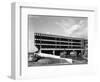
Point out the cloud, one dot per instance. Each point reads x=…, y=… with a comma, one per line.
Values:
x=72, y=28
x=82, y=31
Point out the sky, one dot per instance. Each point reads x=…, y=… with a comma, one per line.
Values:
x=65, y=26
x=58, y=25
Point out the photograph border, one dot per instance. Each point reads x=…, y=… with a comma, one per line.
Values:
x=16, y=37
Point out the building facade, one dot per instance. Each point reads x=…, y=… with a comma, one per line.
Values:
x=55, y=44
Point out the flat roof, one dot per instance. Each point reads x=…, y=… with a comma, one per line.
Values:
x=59, y=36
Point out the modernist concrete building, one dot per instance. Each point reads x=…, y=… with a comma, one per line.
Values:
x=55, y=44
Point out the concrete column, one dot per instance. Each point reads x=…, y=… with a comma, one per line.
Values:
x=40, y=48
x=53, y=52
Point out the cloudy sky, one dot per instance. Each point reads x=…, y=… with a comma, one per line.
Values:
x=65, y=26
x=58, y=25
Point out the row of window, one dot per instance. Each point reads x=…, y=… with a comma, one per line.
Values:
x=49, y=46
x=50, y=42
x=57, y=52
x=56, y=38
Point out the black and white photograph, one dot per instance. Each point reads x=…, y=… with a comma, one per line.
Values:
x=52, y=41
x=57, y=40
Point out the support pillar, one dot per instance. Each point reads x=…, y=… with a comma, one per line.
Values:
x=40, y=49
x=53, y=52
